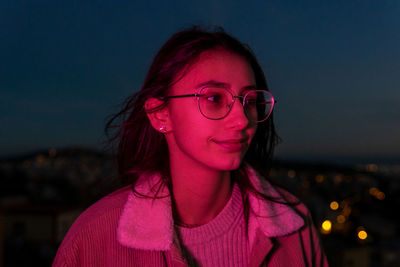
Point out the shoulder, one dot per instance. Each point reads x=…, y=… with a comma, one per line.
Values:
x=108, y=206
x=97, y=220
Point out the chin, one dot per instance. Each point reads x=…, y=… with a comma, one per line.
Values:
x=229, y=165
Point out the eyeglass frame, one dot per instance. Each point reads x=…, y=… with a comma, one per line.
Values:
x=232, y=103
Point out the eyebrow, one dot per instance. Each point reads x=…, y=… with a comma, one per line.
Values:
x=212, y=83
x=223, y=85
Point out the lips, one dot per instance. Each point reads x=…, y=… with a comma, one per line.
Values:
x=232, y=144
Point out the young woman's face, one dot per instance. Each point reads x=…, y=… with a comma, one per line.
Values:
x=195, y=139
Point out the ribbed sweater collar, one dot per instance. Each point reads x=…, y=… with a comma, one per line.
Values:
x=226, y=219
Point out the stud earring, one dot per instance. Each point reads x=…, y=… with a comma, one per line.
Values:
x=163, y=128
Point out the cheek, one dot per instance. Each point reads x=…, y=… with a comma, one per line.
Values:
x=188, y=125
x=192, y=133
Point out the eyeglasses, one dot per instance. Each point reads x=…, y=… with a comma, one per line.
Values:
x=215, y=103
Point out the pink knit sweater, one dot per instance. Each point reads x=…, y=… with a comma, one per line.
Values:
x=220, y=242
x=123, y=229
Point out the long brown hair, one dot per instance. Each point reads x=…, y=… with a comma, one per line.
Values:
x=140, y=148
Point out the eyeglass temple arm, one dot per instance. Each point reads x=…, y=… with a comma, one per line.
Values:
x=196, y=95
x=179, y=96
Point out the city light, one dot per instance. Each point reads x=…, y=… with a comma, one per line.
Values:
x=40, y=158
x=340, y=218
x=319, y=178
x=371, y=167
x=326, y=227
x=373, y=191
x=334, y=205
x=338, y=179
x=380, y=196
x=362, y=234
x=346, y=211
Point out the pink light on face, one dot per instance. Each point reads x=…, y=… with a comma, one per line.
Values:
x=232, y=144
x=195, y=139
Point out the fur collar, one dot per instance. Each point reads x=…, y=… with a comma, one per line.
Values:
x=148, y=224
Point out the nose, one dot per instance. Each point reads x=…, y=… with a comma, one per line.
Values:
x=237, y=116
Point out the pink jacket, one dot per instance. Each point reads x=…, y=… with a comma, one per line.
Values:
x=123, y=229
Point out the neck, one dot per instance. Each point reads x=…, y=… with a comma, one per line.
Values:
x=199, y=193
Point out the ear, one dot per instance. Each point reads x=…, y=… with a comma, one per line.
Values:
x=159, y=118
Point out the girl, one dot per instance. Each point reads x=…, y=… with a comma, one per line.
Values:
x=193, y=144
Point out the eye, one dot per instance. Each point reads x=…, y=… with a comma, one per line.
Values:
x=251, y=98
x=214, y=98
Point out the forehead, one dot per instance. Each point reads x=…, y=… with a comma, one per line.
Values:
x=217, y=65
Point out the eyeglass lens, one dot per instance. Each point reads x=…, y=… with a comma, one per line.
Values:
x=215, y=103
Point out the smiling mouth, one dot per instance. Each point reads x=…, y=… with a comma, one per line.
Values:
x=232, y=144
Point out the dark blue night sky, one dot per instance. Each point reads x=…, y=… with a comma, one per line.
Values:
x=334, y=66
